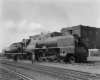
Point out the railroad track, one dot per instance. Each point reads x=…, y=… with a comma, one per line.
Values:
x=65, y=73
x=20, y=76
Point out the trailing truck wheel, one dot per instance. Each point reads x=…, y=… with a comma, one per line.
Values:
x=72, y=59
x=40, y=55
x=47, y=59
x=55, y=60
x=61, y=60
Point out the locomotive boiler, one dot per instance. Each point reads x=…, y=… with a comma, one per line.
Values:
x=61, y=48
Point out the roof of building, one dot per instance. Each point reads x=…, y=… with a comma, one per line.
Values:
x=79, y=26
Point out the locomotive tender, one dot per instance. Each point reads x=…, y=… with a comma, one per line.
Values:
x=60, y=48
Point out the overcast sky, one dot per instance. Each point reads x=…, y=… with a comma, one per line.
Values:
x=22, y=18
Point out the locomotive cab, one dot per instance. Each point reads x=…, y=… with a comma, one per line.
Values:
x=73, y=48
x=81, y=49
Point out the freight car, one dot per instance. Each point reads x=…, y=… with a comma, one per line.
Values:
x=61, y=48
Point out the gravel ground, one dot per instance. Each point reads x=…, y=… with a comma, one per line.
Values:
x=34, y=75
x=7, y=76
x=93, y=66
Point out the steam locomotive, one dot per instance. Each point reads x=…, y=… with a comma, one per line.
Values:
x=70, y=48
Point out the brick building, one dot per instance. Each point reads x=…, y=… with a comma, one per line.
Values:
x=92, y=33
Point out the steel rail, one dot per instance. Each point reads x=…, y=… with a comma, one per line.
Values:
x=49, y=72
x=85, y=75
x=52, y=70
x=21, y=76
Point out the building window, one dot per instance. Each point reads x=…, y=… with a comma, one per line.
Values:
x=67, y=33
x=96, y=33
x=90, y=32
x=76, y=31
x=84, y=33
x=97, y=39
x=70, y=31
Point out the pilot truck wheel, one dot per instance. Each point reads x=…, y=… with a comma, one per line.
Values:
x=72, y=59
x=61, y=60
